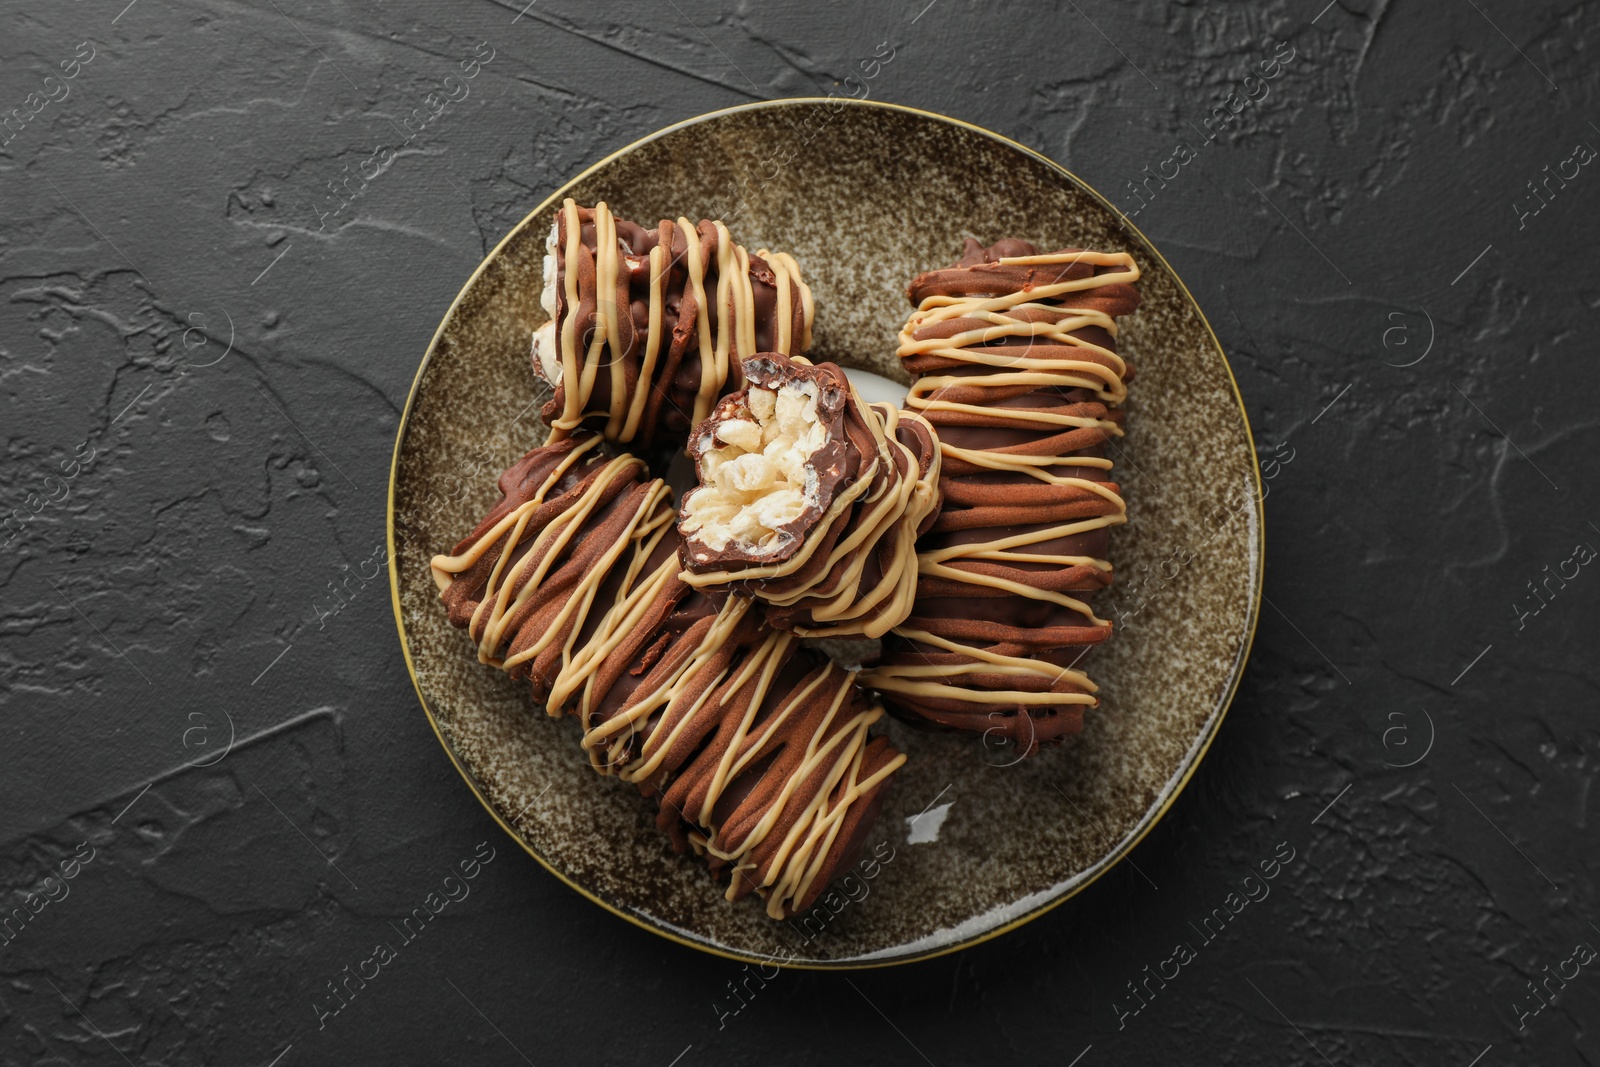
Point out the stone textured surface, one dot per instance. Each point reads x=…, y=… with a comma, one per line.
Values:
x=1407, y=323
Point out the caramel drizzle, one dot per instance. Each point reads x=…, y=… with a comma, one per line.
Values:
x=894, y=510
x=735, y=335
x=609, y=744
x=445, y=567
x=929, y=680
x=787, y=273
x=895, y=513
x=511, y=587
x=1104, y=374
x=835, y=751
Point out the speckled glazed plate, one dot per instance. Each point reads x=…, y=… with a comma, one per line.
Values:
x=864, y=196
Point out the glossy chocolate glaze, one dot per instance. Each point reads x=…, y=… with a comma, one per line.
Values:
x=683, y=379
x=740, y=734
x=1022, y=382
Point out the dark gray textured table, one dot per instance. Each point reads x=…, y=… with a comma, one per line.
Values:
x=1393, y=237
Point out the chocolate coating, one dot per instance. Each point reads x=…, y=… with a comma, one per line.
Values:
x=756, y=750
x=649, y=324
x=1014, y=355
x=778, y=737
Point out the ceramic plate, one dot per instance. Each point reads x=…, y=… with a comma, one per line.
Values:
x=865, y=196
